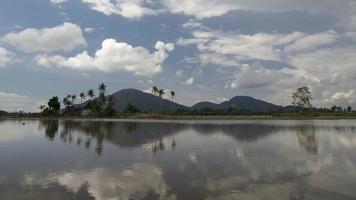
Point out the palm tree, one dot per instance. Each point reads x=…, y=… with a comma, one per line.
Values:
x=173, y=94
x=90, y=93
x=154, y=90
x=102, y=90
x=74, y=96
x=67, y=103
x=161, y=92
x=82, y=96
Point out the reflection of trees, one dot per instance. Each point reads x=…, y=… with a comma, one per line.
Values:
x=307, y=138
x=161, y=135
x=51, y=128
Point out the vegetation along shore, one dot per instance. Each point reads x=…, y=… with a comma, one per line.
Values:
x=136, y=104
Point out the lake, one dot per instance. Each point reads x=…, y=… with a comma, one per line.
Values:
x=194, y=160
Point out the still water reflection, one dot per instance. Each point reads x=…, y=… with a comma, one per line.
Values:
x=78, y=159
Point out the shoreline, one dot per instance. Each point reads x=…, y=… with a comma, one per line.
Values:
x=180, y=117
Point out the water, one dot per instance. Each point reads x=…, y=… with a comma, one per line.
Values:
x=76, y=159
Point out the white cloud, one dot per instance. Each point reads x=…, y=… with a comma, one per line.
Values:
x=113, y=56
x=323, y=61
x=65, y=37
x=254, y=77
x=89, y=30
x=261, y=46
x=57, y=2
x=6, y=57
x=348, y=96
x=15, y=102
x=125, y=8
x=343, y=10
x=189, y=81
x=312, y=41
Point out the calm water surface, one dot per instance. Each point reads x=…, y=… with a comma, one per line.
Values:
x=177, y=160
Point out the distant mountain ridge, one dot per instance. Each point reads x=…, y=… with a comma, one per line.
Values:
x=147, y=102
x=240, y=103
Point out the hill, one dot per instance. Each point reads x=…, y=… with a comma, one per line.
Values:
x=147, y=102
x=240, y=103
x=144, y=101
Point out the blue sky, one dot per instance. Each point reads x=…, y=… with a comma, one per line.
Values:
x=203, y=49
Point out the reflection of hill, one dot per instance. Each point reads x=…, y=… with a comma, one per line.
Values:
x=135, y=134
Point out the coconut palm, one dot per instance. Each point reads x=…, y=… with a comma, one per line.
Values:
x=173, y=94
x=74, y=96
x=161, y=92
x=82, y=96
x=90, y=93
x=102, y=90
x=154, y=90
x=66, y=102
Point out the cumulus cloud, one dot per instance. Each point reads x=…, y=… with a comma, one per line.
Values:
x=324, y=61
x=112, y=56
x=125, y=8
x=6, y=57
x=64, y=37
x=231, y=47
x=15, y=102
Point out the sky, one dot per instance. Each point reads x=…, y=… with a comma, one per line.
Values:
x=207, y=50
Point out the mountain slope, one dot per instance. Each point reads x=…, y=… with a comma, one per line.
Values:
x=143, y=101
x=146, y=102
x=206, y=104
x=239, y=102
x=249, y=103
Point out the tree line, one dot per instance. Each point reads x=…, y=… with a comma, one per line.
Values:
x=91, y=104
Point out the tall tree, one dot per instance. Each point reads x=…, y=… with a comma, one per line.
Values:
x=110, y=110
x=173, y=94
x=302, y=97
x=54, y=105
x=349, y=109
x=90, y=93
x=66, y=102
x=74, y=96
x=102, y=90
x=161, y=92
x=82, y=96
x=154, y=90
